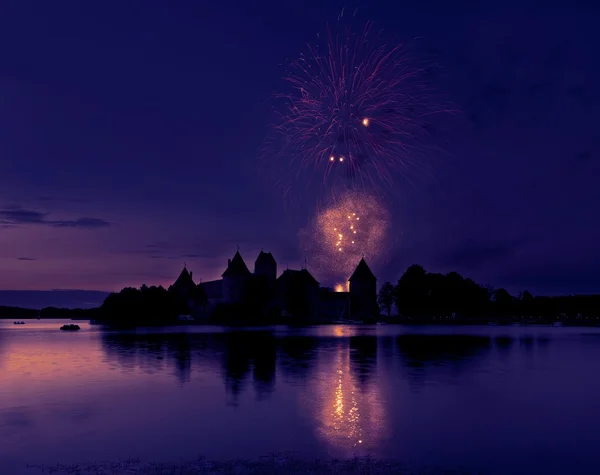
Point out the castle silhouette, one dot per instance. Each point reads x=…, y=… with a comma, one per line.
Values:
x=283, y=295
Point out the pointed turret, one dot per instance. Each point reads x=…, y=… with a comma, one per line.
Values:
x=183, y=287
x=235, y=279
x=184, y=279
x=236, y=267
x=362, y=273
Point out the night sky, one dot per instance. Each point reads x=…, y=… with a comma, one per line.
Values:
x=130, y=140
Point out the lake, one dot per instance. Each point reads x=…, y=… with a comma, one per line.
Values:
x=495, y=400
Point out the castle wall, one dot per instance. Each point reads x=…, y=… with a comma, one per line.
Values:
x=234, y=288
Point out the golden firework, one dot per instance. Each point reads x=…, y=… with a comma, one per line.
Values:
x=331, y=251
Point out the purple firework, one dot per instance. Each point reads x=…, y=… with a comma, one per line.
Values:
x=358, y=112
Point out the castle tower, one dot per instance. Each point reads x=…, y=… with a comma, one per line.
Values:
x=183, y=289
x=235, y=279
x=265, y=268
x=184, y=283
x=363, y=292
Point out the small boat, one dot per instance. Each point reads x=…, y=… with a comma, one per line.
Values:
x=19, y=323
x=70, y=327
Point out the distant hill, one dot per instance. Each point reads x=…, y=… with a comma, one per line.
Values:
x=38, y=299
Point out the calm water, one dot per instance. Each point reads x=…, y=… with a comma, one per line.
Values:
x=497, y=399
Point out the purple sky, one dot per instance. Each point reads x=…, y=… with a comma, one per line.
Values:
x=130, y=138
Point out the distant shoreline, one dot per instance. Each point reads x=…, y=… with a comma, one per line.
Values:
x=10, y=312
x=412, y=322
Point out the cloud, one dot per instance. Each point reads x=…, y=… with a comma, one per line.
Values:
x=471, y=255
x=581, y=94
x=66, y=200
x=21, y=216
x=26, y=259
x=555, y=278
x=84, y=222
x=186, y=250
x=15, y=216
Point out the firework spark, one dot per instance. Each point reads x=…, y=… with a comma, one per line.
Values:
x=358, y=113
x=355, y=224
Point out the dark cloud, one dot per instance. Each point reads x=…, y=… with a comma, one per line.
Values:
x=554, y=278
x=84, y=222
x=64, y=200
x=26, y=259
x=495, y=94
x=21, y=216
x=474, y=255
x=537, y=88
x=581, y=94
x=15, y=216
x=162, y=245
x=186, y=250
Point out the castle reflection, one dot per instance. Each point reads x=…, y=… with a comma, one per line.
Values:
x=335, y=376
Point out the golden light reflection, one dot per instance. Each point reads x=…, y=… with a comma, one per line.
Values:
x=349, y=418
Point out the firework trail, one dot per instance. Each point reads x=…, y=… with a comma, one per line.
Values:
x=358, y=114
x=353, y=225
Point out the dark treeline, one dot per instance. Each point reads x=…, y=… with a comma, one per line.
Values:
x=146, y=305
x=421, y=295
x=18, y=312
x=47, y=312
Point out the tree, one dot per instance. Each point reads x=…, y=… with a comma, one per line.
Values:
x=412, y=294
x=526, y=304
x=145, y=306
x=386, y=297
x=503, y=302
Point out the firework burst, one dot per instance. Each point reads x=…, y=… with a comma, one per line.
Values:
x=358, y=113
x=353, y=225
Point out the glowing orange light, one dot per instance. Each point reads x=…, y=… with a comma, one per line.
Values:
x=332, y=158
x=365, y=122
x=341, y=159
